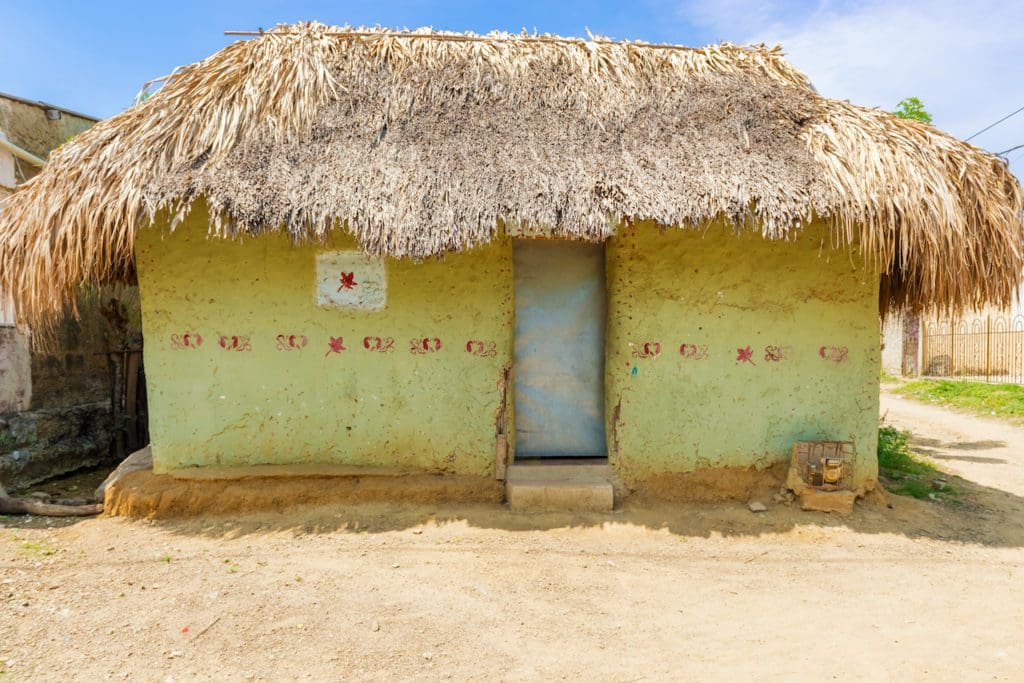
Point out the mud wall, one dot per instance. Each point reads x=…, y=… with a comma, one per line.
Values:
x=244, y=366
x=723, y=349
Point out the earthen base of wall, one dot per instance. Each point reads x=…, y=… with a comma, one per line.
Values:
x=144, y=495
x=712, y=485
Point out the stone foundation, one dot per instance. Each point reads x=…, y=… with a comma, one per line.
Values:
x=39, y=444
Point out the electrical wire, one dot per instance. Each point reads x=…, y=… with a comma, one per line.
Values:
x=1013, y=113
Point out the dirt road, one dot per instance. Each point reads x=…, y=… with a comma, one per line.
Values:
x=984, y=450
x=677, y=593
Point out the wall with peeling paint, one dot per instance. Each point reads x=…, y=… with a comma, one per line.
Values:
x=265, y=397
x=726, y=398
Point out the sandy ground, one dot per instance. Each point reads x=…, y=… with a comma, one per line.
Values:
x=689, y=592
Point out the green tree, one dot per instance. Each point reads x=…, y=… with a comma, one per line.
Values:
x=912, y=108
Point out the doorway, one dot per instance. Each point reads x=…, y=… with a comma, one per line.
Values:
x=559, y=348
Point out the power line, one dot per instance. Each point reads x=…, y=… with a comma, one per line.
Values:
x=1014, y=113
x=1007, y=151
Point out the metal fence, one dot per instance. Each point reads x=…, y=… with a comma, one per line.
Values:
x=988, y=349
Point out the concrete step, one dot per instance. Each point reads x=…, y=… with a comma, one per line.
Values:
x=540, y=487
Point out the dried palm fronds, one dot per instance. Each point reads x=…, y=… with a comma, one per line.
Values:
x=420, y=145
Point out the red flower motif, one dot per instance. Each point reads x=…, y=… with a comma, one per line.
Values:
x=745, y=355
x=335, y=345
x=348, y=281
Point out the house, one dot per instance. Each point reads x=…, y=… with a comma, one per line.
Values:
x=446, y=253
x=58, y=409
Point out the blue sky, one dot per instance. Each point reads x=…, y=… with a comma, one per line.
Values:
x=963, y=59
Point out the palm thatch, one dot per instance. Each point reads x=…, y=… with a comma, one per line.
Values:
x=425, y=143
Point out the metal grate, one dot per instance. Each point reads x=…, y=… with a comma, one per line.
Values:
x=809, y=461
x=989, y=349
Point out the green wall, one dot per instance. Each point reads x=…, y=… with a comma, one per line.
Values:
x=437, y=411
x=727, y=292
x=213, y=406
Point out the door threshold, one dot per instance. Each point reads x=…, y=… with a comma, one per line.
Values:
x=560, y=461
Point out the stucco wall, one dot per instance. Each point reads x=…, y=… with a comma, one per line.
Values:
x=210, y=405
x=730, y=297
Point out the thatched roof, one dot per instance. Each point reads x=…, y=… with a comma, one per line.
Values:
x=425, y=144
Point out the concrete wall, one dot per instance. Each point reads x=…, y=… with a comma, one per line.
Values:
x=781, y=345
x=267, y=399
x=26, y=125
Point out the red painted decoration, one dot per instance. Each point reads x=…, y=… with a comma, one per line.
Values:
x=647, y=350
x=347, y=280
x=335, y=345
x=235, y=343
x=379, y=344
x=745, y=355
x=775, y=354
x=694, y=351
x=482, y=348
x=188, y=340
x=291, y=342
x=424, y=346
x=836, y=354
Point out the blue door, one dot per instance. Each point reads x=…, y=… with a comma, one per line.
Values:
x=559, y=348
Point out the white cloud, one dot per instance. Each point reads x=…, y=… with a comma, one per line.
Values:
x=964, y=60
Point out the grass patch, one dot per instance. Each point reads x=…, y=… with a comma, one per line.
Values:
x=907, y=474
x=32, y=547
x=1000, y=400
x=886, y=377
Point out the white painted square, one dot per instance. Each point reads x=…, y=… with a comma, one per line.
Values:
x=350, y=279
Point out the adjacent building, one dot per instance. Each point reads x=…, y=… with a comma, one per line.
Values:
x=61, y=405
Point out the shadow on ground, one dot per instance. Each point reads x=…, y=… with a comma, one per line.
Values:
x=979, y=516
